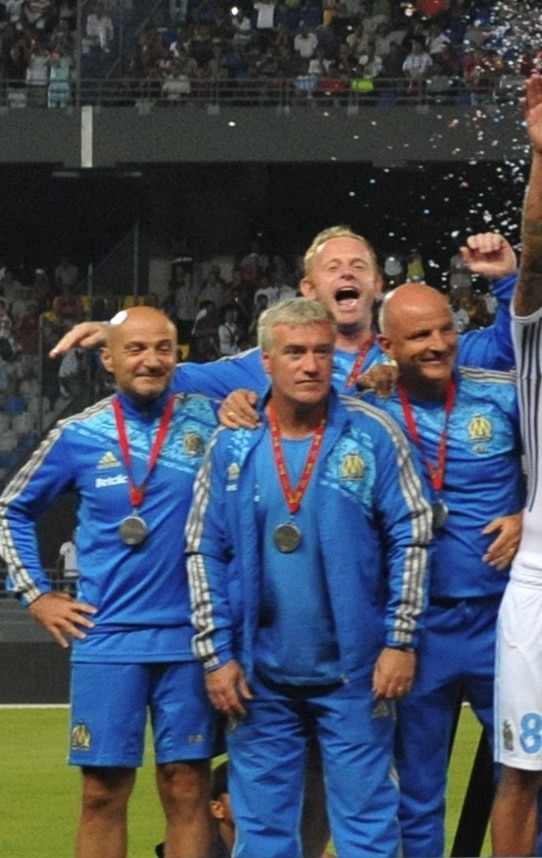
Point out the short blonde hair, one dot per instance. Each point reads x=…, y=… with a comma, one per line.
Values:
x=340, y=231
x=293, y=311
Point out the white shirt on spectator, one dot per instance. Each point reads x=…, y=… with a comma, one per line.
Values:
x=305, y=44
x=266, y=14
x=100, y=29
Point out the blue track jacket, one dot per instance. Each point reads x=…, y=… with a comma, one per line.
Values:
x=372, y=523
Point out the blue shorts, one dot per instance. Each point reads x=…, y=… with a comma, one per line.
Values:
x=109, y=706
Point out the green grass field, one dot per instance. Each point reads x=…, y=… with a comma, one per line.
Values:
x=39, y=793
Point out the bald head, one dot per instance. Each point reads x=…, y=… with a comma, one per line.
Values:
x=141, y=352
x=418, y=333
x=410, y=299
x=140, y=317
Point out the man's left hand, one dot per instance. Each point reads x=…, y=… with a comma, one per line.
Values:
x=489, y=254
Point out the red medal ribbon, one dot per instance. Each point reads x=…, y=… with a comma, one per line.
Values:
x=436, y=472
x=354, y=372
x=293, y=496
x=137, y=493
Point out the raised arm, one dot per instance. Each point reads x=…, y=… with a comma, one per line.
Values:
x=528, y=294
x=489, y=254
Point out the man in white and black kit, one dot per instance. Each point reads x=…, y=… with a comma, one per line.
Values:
x=518, y=690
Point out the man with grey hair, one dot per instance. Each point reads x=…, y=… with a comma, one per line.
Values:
x=307, y=546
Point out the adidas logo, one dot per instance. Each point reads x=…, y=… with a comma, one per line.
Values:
x=108, y=460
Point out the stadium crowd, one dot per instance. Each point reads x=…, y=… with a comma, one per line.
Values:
x=468, y=51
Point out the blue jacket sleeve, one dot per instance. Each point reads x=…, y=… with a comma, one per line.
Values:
x=45, y=476
x=219, y=378
x=491, y=347
x=209, y=557
x=406, y=519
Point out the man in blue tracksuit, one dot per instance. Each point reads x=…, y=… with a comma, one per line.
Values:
x=131, y=459
x=341, y=271
x=464, y=432
x=307, y=557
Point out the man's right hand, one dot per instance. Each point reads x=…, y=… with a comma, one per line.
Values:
x=239, y=410
x=61, y=615
x=85, y=335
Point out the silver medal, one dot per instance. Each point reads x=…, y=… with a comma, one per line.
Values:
x=133, y=529
x=440, y=514
x=287, y=537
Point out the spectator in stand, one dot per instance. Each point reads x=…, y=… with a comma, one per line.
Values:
x=60, y=71
x=62, y=38
x=415, y=272
x=460, y=314
x=181, y=41
x=67, y=566
x=100, y=29
x=26, y=327
x=14, y=9
x=149, y=51
x=306, y=42
x=239, y=292
x=265, y=21
x=479, y=73
x=204, y=342
x=460, y=278
x=392, y=62
x=347, y=64
x=343, y=22
x=37, y=73
x=288, y=62
x=320, y=63
x=267, y=288
x=253, y=264
x=384, y=37
x=417, y=65
x=229, y=332
x=187, y=63
x=213, y=287
x=9, y=347
x=185, y=304
x=261, y=303
x=436, y=39
x=38, y=15
x=447, y=62
x=358, y=40
x=65, y=274
x=370, y=63
x=72, y=373
x=242, y=28
x=68, y=307
x=11, y=288
x=287, y=18
x=15, y=73
x=67, y=14
x=176, y=86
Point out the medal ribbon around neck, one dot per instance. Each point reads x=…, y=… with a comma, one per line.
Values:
x=436, y=472
x=293, y=496
x=360, y=360
x=137, y=493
